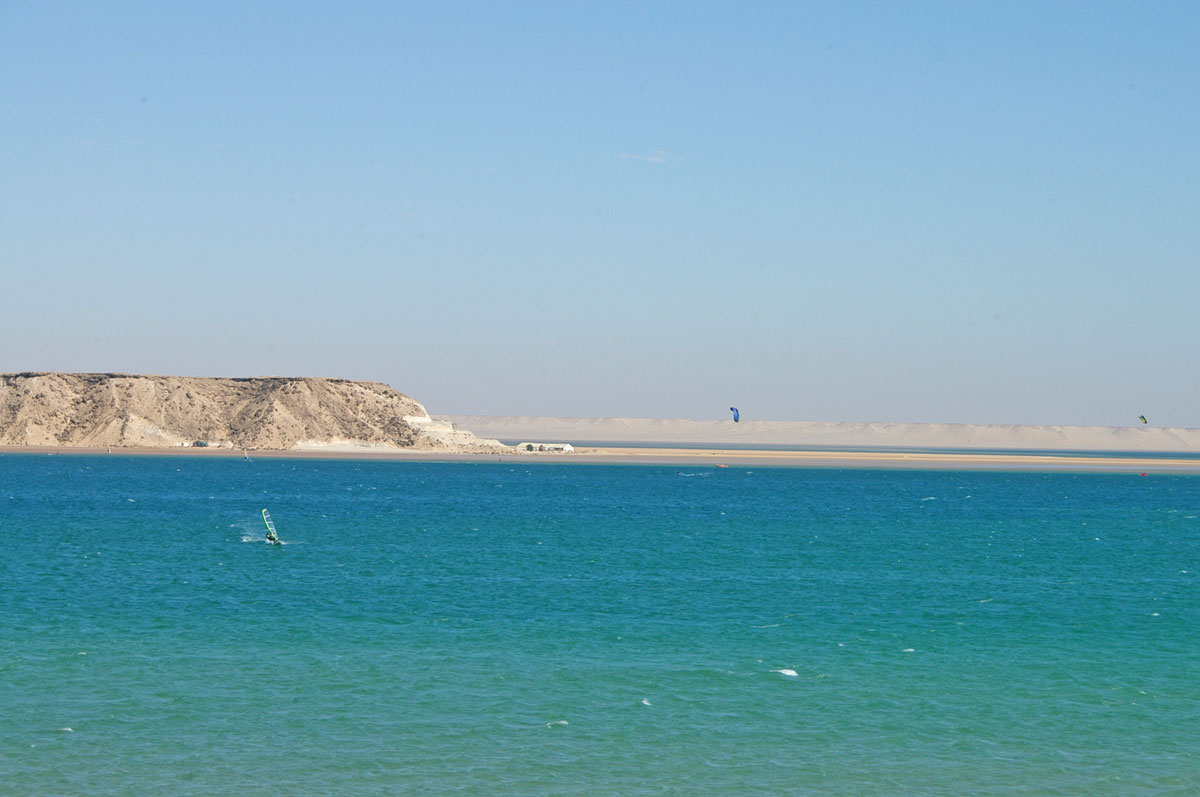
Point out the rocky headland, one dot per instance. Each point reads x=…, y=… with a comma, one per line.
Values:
x=264, y=413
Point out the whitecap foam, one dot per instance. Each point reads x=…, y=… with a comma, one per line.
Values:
x=557, y=722
x=646, y=702
x=787, y=672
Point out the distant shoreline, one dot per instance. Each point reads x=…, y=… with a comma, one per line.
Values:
x=1134, y=462
x=839, y=435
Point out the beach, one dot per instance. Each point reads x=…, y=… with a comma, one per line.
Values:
x=970, y=460
x=851, y=444
x=650, y=454
x=847, y=435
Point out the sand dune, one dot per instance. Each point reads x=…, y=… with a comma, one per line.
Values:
x=832, y=434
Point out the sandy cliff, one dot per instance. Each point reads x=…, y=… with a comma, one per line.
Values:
x=57, y=409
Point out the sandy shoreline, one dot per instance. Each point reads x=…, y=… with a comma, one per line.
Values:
x=892, y=459
x=842, y=435
x=694, y=457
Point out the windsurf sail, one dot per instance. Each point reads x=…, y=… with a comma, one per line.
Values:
x=271, y=535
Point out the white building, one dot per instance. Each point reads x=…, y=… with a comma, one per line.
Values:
x=559, y=448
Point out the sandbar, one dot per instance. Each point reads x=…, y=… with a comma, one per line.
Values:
x=695, y=457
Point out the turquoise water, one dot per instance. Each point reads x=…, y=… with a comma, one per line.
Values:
x=589, y=629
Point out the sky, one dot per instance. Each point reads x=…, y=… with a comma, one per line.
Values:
x=844, y=211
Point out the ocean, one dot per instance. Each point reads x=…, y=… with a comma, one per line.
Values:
x=582, y=629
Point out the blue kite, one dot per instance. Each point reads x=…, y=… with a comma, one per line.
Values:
x=735, y=414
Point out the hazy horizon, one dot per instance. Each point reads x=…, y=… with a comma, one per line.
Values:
x=927, y=212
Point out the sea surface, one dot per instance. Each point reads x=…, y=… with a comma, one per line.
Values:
x=496, y=628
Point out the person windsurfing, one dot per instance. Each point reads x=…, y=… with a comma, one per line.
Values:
x=272, y=537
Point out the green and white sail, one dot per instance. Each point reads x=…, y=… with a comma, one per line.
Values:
x=271, y=535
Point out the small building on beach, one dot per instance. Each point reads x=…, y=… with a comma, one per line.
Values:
x=557, y=448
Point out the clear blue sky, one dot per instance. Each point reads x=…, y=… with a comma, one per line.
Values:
x=960, y=212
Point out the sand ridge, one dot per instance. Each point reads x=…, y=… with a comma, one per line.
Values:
x=845, y=435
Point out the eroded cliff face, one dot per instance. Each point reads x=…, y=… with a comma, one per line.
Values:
x=58, y=409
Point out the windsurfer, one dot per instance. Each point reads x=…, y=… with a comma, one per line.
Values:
x=272, y=537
